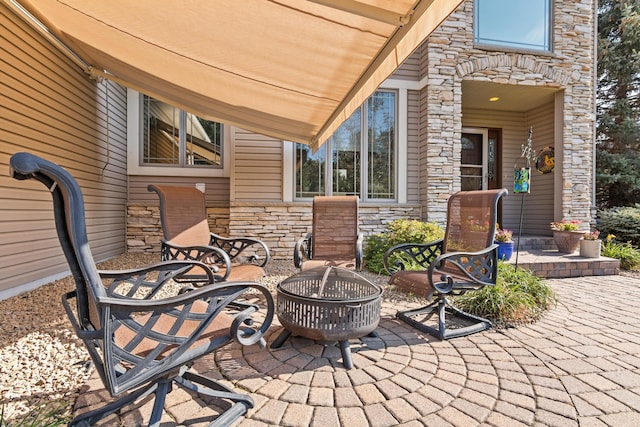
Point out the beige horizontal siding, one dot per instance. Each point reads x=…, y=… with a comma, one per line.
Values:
x=52, y=109
x=538, y=210
x=413, y=147
x=539, y=203
x=409, y=69
x=216, y=189
x=257, y=167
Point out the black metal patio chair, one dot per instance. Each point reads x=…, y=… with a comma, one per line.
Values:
x=335, y=239
x=185, y=227
x=142, y=338
x=464, y=260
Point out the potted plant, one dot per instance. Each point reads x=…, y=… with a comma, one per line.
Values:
x=566, y=235
x=590, y=245
x=503, y=239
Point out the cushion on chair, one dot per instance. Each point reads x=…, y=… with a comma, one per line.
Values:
x=414, y=282
x=197, y=234
x=313, y=263
x=243, y=272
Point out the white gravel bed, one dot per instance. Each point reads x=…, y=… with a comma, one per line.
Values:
x=41, y=359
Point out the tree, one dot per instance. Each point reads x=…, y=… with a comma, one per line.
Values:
x=618, y=103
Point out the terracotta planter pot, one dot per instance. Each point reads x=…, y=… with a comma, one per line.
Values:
x=590, y=248
x=567, y=241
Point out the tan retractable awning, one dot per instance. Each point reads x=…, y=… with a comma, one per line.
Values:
x=291, y=69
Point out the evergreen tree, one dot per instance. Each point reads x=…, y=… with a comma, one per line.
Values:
x=618, y=103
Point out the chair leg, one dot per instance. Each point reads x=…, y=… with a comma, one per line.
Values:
x=444, y=308
x=198, y=383
x=164, y=387
x=241, y=403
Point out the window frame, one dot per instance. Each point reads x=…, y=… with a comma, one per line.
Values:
x=135, y=145
x=364, y=150
x=514, y=46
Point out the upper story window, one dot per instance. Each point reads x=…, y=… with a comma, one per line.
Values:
x=174, y=137
x=517, y=24
x=359, y=158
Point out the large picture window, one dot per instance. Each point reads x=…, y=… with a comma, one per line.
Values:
x=359, y=158
x=518, y=24
x=175, y=137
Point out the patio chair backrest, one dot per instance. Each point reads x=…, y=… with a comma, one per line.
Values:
x=183, y=214
x=471, y=220
x=335, y=227
x=70, y=224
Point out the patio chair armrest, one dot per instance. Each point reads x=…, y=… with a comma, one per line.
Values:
x=229, y=296
x=458, y=272
x=408, y=256
x=144, y=281
x=250, y=250
x=214, y=257
x=147, y=336
x=302, y=250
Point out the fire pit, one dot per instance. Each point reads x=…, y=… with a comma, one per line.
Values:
x=328, y=304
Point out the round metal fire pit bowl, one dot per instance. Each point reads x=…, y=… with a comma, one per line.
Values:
x=328, y=304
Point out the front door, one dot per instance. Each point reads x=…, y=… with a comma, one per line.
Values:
x=480, y=159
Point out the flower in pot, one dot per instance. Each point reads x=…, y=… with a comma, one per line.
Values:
x=566, y=225
x=566, y=235
x=590, y=245
x=504, y=239
x=592, y=235
x=504, y=235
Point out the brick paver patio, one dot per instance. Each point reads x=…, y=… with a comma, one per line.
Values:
x=578, y=366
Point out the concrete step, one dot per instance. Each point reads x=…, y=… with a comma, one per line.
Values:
x=540, y=255
x=535, y=242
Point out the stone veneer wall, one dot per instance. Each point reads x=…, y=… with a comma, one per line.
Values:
x=453, y=57
x=279, y=225
x=144, y=232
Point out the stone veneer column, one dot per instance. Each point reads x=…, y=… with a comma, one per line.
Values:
x=452, y=57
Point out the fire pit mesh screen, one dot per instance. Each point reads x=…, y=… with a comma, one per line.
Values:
x=329, y=303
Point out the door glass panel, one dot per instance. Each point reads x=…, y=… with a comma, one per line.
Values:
x=471, y=149
x=471, y=158
x=471, y=178
x=493, y=162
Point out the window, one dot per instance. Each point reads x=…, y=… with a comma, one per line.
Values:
x=519, y=24
x=171, y=136
x=340, y=168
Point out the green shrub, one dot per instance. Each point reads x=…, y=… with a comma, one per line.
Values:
x=623, y=222
x=628, y=254
x=398, y=231
x=518, y=296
